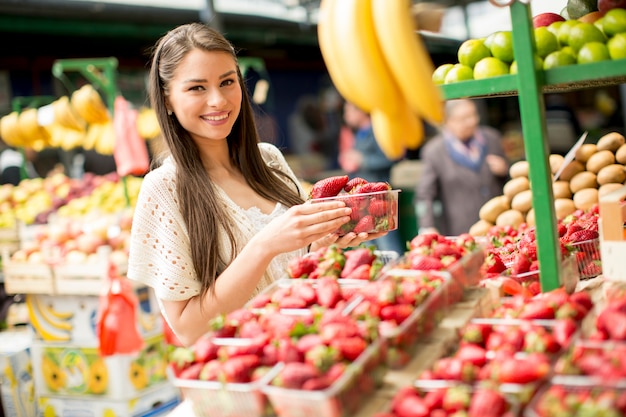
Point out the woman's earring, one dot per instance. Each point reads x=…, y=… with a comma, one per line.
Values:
x=169, y=112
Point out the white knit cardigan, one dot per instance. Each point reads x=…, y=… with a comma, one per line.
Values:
x=160, y=250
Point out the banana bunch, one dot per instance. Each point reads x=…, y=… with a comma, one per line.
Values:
x=376, y=61
x=147, y=123
x=66, y=115
x=105, y=143
x=89, y=105
x=10, y=130
x=35, y=135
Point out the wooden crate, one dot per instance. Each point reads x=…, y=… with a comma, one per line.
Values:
x=26, y=277
x=612, y=239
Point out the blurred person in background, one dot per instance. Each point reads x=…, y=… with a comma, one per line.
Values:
x=463, y=167
x=360, y=156
x=16, y=165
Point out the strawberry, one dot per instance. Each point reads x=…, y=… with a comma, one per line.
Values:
x=356, y=258
x=328, y=187
x=353, y=183
x=521, y=263
x=457, y=398
x=444, y=249
x=301, y=267
x=537, y=309
x=362, y=272
x=365, y=225
x=582, y=235
x=211, y=370
x=295, y=374
x=515, y=370
x=396, y=312
x=316, y=383
x=372, y=187
x=487, y=402
x=239, y=368
x=349, y=347
x=494, y=264
x=411, y=406
x=181, y=358
x=328, y=292
x=192, y=371
x=563, y=330
x=472, y=353
x=476, y=333
x=425, y=263
x=308, y=341
x=592, y=269
x=583, y=298
x=378, y=208
x=291, y=302
x=204, y=349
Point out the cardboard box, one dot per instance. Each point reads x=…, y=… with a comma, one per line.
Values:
x=73, y=319
x=72, y=370
x=159, y=400
x=17, y=386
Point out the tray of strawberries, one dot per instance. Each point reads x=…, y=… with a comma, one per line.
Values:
x=374, y=204
x=462, y=256
x=446, y=398
x=556, y=399
x=406, y=305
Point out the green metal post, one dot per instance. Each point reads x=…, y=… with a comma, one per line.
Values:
x=532, y=113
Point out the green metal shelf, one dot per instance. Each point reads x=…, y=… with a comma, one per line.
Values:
x=556, y=80
x=530, y=85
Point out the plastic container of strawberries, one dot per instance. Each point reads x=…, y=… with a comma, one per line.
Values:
x=343, y=398
x=587, y=255
x=612, y=352
x=568, y=399
x=381, y=207
x=217, y=399
x=403, y=340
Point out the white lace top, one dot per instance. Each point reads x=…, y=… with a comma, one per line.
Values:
x=160, y=251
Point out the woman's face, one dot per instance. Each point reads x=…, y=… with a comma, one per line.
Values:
x=205, y=95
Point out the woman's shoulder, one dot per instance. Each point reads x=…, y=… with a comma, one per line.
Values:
x=272, y=155
x=161, y=176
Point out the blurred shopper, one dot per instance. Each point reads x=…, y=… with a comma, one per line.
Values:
x=463, y=167
x=365, y=159
x=16, y=165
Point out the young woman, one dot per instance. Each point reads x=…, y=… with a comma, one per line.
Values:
x=223, y=213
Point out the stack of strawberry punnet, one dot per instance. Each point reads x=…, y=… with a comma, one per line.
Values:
x=374, y=204
x=511, y=253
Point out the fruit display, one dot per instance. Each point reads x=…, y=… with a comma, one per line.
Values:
x=563, y=399
x=597, y=169
x=362, y=263
x=378, y=67
x=578, y=35
x=374, y=204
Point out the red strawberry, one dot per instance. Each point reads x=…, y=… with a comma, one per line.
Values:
x=329, y=187
x=301, y=267
x=494, y=264
x=582, y=235
x=322, y=357
x=396, y=312
x=365, y=224
x=356, y=258
x=349, y=347
x=362, y=272
x=537, y=309
x=425, y=263
x=563, y=330
x=372, y=187
x=411, y=406
x=521, y=263
x=328, y=291
x=204, y=349
x=295, y=374
x=487, y=402
x=354, y=182
x=239, y=368
x=472, y=353
x=522, y=370
x=378, y=208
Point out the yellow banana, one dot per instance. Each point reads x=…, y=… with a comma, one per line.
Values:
x=39, y=327
x=97, y=106
x=360, y=56
x=327, y=39
x=51, y=315
x=106, y=142
x=407, y=57
x=388, y=133
x=94, y=131
x=9, y=130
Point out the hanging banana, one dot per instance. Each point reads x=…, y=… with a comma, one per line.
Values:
x=9, y=130
x=407, y=57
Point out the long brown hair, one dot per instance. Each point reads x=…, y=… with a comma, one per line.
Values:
x=202, y=211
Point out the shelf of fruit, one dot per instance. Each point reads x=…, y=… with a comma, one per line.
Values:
x=541, y=54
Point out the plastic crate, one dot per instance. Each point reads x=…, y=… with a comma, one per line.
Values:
x=343, y=398
x=382, y=223
x=402, y=341
x=217, y=399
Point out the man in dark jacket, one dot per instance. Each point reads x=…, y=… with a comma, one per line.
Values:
x=463, y=167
